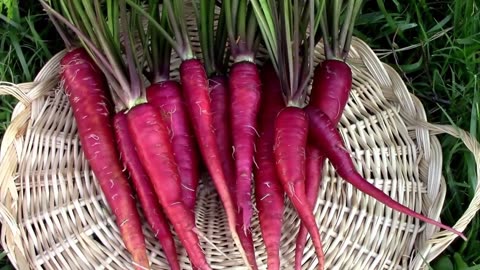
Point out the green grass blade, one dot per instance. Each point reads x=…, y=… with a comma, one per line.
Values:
x=21, y=57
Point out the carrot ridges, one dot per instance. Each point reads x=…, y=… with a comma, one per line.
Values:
x=152, y=141
x=145, y=193
x=244, y=85
x=328, y=139
x=167, y=97
x=195, y=86
x=291, y=133
x=92, y=109
x=269, y=194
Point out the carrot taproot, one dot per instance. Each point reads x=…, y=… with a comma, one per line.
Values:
x=143, y=187
x=244, y=83
x=93, y=112
x=269, y=194
x=245, y=102
x=328, y=139
x=332, y=81
x=167, y=96
x=152, y=141
x=314, y=167
x=221, y=113
x=193, y=79
x=195, y=86
x=331, y=85
x=220, y=100
x=291, y=130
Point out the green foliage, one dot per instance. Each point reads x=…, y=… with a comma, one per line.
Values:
x=10, y=7
x=4, y=263
x=454, y=262
x=27, y=41
x=435, y=46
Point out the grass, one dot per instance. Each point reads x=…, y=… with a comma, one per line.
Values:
x=27, y=41
x=433, y=44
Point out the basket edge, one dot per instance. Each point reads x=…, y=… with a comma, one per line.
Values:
x=11, y=149
x=415, y=114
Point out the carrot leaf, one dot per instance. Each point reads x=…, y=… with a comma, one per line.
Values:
x=289, y=43
x=337, y=25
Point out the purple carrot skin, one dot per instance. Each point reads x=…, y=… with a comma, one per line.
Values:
x=332, y=82
x=168, y=98
x=152, y=141
x=314, y=168
x=291, y=130
x=269, y=194
x=220, y=98
x=145, y=193
x=195, y=87
x=246, y=239
x=328, y=139
x=244, y=83
x=86, y=89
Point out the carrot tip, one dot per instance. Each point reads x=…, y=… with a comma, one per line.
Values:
x=140, y=260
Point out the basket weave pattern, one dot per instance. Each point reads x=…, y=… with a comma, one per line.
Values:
x=54, y=215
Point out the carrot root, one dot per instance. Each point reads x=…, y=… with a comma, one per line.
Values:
x=244, y=84
x=167, y=97
x=143, y=187
x=291, y=130
x=152, y=141
x=314, y=168
x=329, y=140
x=93, y=112
x=220, y=97
x=195, y=86
x=331, y=86
x=269, y=194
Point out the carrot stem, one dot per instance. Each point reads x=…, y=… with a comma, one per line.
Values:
x=337, y=25
x=135, y=82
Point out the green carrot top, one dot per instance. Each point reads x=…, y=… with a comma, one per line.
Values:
x=105, y=30
x=212, y=39
x=242, y=29
x=285, y=26
x=177, y=36
x=337, y=24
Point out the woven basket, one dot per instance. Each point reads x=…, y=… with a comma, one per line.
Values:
x=54, y=215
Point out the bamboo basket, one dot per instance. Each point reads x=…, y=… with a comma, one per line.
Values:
x=54, y=215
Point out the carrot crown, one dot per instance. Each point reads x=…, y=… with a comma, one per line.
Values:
x=285, y=26
x=242, y=28
x=105, y=30
x=337, y=23
x=178, y=38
